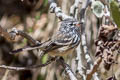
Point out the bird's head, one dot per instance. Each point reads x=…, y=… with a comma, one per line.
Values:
x=71, y=22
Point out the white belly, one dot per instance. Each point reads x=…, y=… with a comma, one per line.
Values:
x=61, y=52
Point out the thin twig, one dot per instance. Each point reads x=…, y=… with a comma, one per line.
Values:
x=29, y=67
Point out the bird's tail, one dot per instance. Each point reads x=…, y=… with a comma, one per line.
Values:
x=38, y=46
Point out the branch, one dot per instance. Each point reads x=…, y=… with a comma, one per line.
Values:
x=74, y=8
x=29, y=67
x=74, y=11
x=83, y=37
x=16, y=32
x=79, y=62
x=106, y=18
x=70, y=73
x=58, y=12
x=94, y=69
x=67, y=69
x=11, y=35
x=80, y=67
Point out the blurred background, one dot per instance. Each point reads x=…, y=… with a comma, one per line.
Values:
x=34, y=18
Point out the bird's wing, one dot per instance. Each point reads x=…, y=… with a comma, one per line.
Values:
x=62, y=39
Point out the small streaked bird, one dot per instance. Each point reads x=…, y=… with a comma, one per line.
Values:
x=63, y=42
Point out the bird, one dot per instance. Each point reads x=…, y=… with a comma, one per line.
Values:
x=62, y=42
